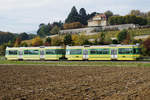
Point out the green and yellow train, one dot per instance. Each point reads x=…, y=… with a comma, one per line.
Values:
x=106, y=52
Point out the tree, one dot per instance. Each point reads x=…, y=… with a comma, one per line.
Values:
x=86, y=42
x=129, y=39
x=137, y=13
x=55, y=30
x=112, y=20
x=102, y=38
x=48, y=41
x=129, y=19
x=43, y=30
x=141, y=21
x=89, y=16
x=6, y=37
x=83, y=16
x=24, y=44
x=37, y=41
x=146, y=47
x=115, y=41
x=68, y=39
x=108, y=14
x=57, y=41
x=73, y=16
x=2, y=49
x=122, y=36
x=24, y=36
x=31, y=36
x=17, y=42
x=148, y=20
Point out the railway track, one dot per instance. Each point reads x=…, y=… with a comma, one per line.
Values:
x=140, y=61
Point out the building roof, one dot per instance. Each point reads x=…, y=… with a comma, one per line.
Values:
x=98, y=16
x=101, y=15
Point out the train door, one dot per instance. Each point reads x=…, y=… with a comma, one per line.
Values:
x=20, y=56
x=114, y=53
x=85, y=54
x=42, y=54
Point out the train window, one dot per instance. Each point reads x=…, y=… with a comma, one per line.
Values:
x=99, y=51
x=60, y=51
x=50, y=51
x=75, y=51
x=136, y=50
x=105, y=51
x=12, y=52
x=54, y=51
x=93, y=51
x=31, y=52
x=125, y=50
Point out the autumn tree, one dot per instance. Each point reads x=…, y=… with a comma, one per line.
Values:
x=79, y=39
x=57, y=41
x=146, y=47
x=48, y=41
x=3, y=49
x=17, y=42
x=24, y=44
x=37, y=41
x=129, y=39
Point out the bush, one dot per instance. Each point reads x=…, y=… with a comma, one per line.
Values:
x=68, y=39
x=57, y=41
x=146, y=47
x=37, y=41
x=73, y=25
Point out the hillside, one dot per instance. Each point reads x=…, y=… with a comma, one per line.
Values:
x=137, y=33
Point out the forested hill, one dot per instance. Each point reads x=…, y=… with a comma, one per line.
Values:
x=6, y=37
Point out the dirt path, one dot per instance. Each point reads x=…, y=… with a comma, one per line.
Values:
x=74, y=83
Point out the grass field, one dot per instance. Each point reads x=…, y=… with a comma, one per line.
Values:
x=80, y=63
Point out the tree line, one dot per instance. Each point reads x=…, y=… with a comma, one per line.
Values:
x=79, y=19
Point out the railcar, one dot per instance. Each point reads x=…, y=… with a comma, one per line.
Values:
x=75, y=52
x=12, y=53
x=34, y=53
x=106, y=52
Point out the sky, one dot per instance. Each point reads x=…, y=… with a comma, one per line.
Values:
x=25, y=15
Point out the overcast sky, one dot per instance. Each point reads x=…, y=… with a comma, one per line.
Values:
x=26, y=15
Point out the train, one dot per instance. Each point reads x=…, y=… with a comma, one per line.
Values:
x=75, y=53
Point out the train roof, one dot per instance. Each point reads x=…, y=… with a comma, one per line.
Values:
x=34, y=47
x=119, y=45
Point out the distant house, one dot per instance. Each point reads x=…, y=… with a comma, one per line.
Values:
x=98, y=20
